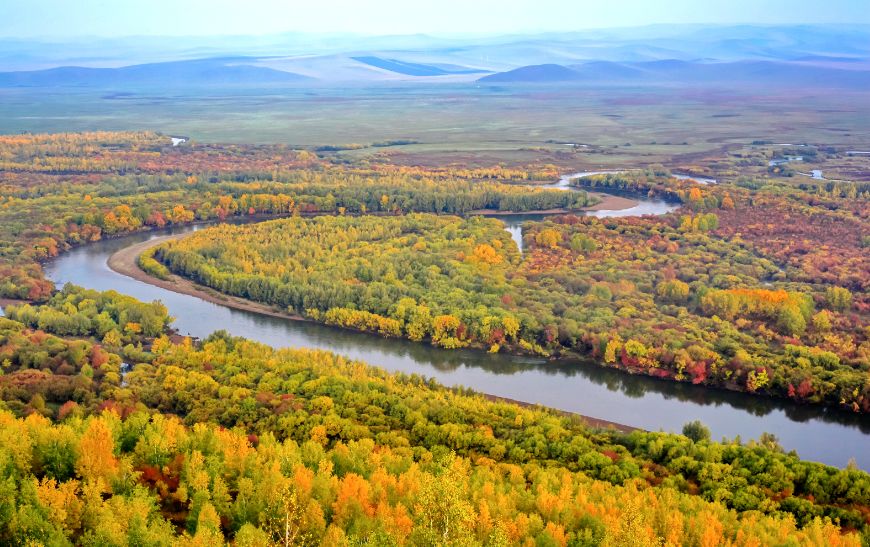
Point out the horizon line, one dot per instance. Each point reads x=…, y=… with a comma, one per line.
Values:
x=436, y=34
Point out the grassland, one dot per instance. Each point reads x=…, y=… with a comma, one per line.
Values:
x=465, y=123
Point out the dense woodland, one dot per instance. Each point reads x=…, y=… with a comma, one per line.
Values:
x=231, y=439
x=439, y=278
x=63, y=190
x=667, y=297
x=114, y=432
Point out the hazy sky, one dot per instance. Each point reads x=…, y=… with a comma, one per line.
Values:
x=66, y=18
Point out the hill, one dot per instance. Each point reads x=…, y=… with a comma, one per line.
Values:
x=195, y=72
x=668, y=71
x=413, y=69
x=535, y=73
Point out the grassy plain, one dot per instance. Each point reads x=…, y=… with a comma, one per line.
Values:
x=467, y=123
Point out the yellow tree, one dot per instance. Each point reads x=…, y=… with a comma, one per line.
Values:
x=444, y=515
x=486, y=254
x=548, y=238
x=96, y=459
x=62, y=501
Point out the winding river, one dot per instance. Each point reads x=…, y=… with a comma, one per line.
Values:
x=644, y=206
x=583, y=387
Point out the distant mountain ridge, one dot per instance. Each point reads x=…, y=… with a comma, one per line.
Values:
x=244, y=71
x=816, y=55
x=726, y=43
x=548, y=72
x=188, y=73
x=672, y=70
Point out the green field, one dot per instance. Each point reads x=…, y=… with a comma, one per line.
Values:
x=463, y=122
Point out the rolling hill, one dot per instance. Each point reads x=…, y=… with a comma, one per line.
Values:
x=535, y=74
x=726, y=43
x=414, y=69
x=188, y=73
x=670, y=71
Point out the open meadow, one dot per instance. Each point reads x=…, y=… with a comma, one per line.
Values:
x=466, y=123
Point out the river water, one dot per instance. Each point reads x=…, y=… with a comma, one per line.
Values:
x=645, y=206
x=583, y=387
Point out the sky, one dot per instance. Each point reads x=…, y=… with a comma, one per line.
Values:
x=116, y=18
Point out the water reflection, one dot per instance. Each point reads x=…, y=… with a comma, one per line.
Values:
x=578, y=386
x=644, y=206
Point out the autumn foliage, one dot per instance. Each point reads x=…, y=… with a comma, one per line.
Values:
x=312, y=448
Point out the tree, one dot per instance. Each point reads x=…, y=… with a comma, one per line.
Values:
x=584, y=243
x=632, y=529
x=62, y=501
x=208, y=526
x=284, y=517
x=838, y=298
x=96, y=460
x=673, y=290
x=791, y=321
x=548, y=238
x=486, y=254
x=443, y=515
x=696, y=431
x=822, y=321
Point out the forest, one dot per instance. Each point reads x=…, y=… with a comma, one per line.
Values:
x=678, y=313
x=229, y=439
x=57, y=191
x=666, y=297
x=114, y=430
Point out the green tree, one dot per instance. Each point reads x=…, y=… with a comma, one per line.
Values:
x=696, y=431
x=838, y=298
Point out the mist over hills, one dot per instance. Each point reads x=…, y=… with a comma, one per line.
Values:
x=804, y=55
x=687, y=72
x=197, y=72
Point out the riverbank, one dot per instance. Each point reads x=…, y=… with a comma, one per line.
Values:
x=497, y=213
x=10, y=302
x=596, y=423
x=124, y=262
x=610, y=202
x=582, y=388
x=607, y=202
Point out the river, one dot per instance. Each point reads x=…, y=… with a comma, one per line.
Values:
x=583, y=387
x=645, y=206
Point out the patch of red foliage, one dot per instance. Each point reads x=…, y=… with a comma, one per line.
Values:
x=611, y=454
x=818, y=245
x=541, y=260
